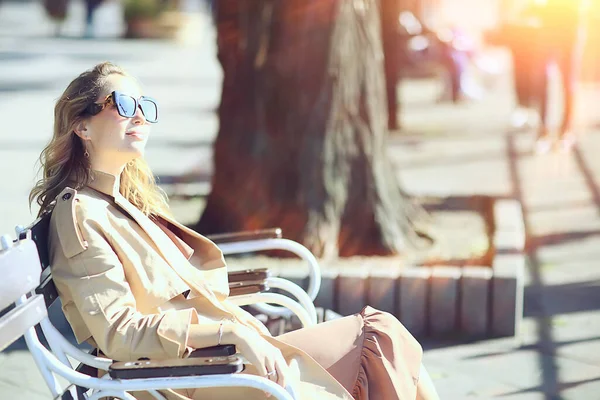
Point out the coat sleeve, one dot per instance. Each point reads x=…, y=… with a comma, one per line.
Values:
x=102, y=295
x=104, y=299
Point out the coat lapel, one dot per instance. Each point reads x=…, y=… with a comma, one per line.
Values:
x=208, y=279
x=205, y=251
x=171, y=254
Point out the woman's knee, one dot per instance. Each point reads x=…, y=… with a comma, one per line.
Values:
x=384, y=317
x=382, y=322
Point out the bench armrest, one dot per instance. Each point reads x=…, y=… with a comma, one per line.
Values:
x=176, y=368
x=258, y=274
x=249, y=287
x=260, y=234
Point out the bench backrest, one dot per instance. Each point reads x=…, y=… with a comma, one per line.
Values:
x=20, y=274
x=38, y=231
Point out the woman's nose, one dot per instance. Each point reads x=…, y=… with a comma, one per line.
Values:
x=139, y=117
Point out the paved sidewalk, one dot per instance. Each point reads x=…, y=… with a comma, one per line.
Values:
x=558, y=354
x=448, y=150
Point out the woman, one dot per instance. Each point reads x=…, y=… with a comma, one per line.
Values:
x=135, y=283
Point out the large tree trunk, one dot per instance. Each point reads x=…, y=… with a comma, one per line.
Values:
x=302, y=139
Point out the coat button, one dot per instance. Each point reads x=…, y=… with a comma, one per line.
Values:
x=66, y=196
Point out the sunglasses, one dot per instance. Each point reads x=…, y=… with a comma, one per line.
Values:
x=127, y=106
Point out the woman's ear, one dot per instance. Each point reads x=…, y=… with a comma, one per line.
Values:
x=80, y=129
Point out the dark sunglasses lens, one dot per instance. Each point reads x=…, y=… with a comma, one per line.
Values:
x=126, y=106
x=150, y=110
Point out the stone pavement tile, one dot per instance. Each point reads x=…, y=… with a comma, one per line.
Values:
x=569, y=336
x=417, y=151
x=556, y=196
x=580, y=218
x=524, y=143
x=421, y=113
x=577, y=381
x=581, y=389
x=548, y=194
x=488, y=177
x=548, y=181
x=544, y=179
x=20, y=378
x=570, y=249
x=570, y=272
x=455, y=385
x=548, y=166
x=588, y=146
x=524, y=395
x=519, y=369
x=433, y=167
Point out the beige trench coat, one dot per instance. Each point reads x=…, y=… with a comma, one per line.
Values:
x=120, y=279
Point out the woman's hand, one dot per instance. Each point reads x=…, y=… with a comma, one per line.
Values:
x=265, y=357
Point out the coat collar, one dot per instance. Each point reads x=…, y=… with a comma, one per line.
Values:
x=211, y=270
x=105, y=183
x=109, y=184
x=207, y=253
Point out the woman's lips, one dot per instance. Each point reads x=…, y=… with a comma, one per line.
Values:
x=135, y=134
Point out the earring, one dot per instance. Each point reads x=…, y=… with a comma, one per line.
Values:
x=131, y=163
x=86, y=154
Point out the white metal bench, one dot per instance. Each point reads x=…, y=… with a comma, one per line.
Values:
x=24, y=297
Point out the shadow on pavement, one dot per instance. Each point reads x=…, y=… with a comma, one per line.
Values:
x=552, y=393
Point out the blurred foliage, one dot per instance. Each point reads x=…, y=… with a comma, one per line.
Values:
x=151, y=9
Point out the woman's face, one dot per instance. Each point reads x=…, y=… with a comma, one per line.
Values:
x=111, y=138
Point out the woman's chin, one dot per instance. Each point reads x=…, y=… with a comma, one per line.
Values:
x=137, y=150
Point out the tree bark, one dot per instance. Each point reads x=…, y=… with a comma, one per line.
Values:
x=303, y=124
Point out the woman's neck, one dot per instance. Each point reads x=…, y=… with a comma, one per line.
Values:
x=107, y=168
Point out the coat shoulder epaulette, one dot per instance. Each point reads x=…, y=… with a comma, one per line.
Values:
x=65, y=217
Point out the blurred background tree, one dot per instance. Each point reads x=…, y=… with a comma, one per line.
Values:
x=303, y=126
x=140, y=17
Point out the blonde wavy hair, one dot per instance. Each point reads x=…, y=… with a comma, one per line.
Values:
x=63, y=163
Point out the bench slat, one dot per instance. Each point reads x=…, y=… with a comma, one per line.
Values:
x=15, y=323
x=20, y=271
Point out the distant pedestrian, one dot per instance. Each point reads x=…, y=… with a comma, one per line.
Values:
x=521, y=38
x=90, y=8
x=560, y=44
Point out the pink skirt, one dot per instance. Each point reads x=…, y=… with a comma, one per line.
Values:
x=370, y=353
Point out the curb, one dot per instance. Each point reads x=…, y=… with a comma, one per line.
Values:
x=470, y=302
